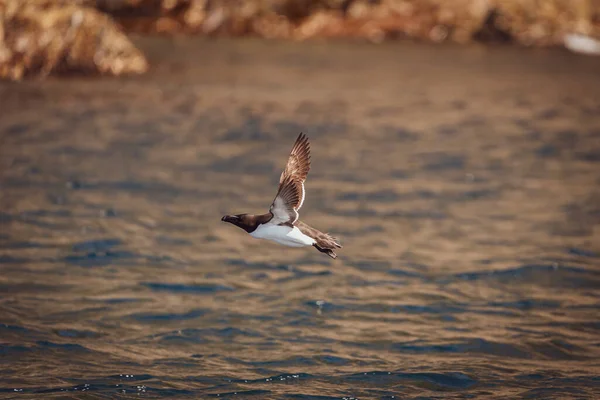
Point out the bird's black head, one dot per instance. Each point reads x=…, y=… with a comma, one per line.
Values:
x=244, y=221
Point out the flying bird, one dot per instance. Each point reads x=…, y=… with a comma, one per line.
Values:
x=281, y=224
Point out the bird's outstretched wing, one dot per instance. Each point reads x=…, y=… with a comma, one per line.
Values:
x=290, y=195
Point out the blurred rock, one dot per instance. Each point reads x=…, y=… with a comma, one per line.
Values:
x=529, y=22
x=40, y=37
x=537, y=22
x=46, y=36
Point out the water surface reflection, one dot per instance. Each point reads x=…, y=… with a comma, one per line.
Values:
x=463, y=182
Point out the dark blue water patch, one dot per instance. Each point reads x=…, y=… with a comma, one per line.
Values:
x=207, y=238
x=164, y=259
x=76, y=333
x=5, y=259
x=333, y=360
x=302, y=320
x=355, y=281
x=240, y=262
x=315, y=397
x=182, y=336
x=167, y=240
x=13, y=328
x=385, y=266
x=35, y=217
x=134, y=148
x=18, y=129
x=26, y=287
x=399, y=133
x=431, y=380
x=405, y=274
x=382, y=111
x=400, y=174
x=371, y=265
x=437, y=309
x=527, y=304
x=301, y=361
x=479, y=194
x=96, y=245
x=43, y=224
x=349, y=196
x=252, y=128
x=442, y=161
x=316, y=258
x=45, y=213
x=554, y=380
x=288, y=128
x=110, y=389
x=558, y=349
x=413, y=214
x=261, y=276
x=325, y=128
x=243, y=393
x=471, y=346
x=280, y=378
x=346, y=176
x=154, y=187
x=101, y=258
x=114, y=387
x=547, y=151
x=45, y=344
x=180, y=288
x=293, y=362
x=301, y=274
x=69, y=150
x=244, y=164
x=369, y=229
x=131, y=377
x=566, y=276
x=56, y=199
x=553, y=393
x=122, y=300
x=431, y=309
x=583, y=253
x=13, y=350
x=152, y=317
x=531, y=377
x=383, y=196
x=494, y=166
x=108, y=213
x=23, y=245
x=292, y=268
x=29, y=183
x=205, y=335
x=155, y=191
x=591, y=156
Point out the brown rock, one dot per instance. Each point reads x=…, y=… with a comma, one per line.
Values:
x=40, y=37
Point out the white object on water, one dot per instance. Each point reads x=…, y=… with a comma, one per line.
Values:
x=582, y=44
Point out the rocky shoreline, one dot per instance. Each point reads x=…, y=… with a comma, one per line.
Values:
x=42, y=37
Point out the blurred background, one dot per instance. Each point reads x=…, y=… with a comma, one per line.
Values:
x=45, y=36
x=455, y=153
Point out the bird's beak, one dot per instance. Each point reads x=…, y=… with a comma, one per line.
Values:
x=230, y=218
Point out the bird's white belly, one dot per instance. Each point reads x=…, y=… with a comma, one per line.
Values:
x=282, y=234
